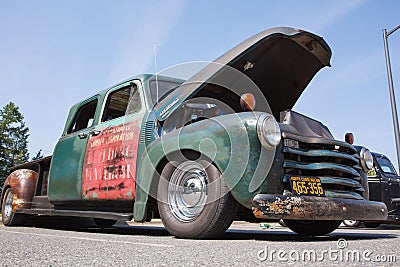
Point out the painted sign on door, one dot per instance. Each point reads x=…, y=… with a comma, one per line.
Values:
x=110, y=163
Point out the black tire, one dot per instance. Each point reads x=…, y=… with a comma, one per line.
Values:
x=9, y=217
x=352, y=223
x=104, y=223
x=312, y=228
x=210, y=218
x=371, y=224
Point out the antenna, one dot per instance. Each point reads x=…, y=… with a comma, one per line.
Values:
x=155, y=66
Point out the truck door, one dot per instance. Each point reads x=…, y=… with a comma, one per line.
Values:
x=109, y=170
x=69, y=154
x=391, y=178
x=374, y=183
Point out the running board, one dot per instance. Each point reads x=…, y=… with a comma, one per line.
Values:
x=79, y=213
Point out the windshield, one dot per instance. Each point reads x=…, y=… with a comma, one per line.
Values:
x=164, y=89
x=386, y=165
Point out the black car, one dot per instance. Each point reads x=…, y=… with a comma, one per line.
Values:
x=384, y=186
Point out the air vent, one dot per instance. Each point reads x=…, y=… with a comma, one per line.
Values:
x=146, y=134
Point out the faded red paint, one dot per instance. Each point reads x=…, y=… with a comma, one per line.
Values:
x=110, y=163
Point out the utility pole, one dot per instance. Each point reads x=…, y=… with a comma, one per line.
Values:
x=391, y=91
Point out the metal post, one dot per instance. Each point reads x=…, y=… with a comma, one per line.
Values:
x=391, y=91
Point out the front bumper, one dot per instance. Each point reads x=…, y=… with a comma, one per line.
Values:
x=269, y=206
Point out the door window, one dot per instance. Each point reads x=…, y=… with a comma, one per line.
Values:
x=84, y=118
x=122, y=102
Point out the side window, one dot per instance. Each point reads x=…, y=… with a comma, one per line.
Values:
x=121, y=102
x=84, y=117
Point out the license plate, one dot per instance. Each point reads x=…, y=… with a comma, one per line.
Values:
x=309, y=186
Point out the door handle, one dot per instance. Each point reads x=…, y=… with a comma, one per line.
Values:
x=95, y=132
x=82, y=135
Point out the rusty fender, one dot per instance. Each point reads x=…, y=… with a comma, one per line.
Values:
x=268, y=206
x=23, y=184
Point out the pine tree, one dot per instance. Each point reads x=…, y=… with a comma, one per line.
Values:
x=13, y=139
x=38, y=155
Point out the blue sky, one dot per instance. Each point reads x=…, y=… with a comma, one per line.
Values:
x=55, y=53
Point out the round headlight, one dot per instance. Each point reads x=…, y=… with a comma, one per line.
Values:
x=367, y=161
x=268, y=131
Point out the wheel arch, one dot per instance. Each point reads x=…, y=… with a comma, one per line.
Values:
x=187, y=153
x=146, y=189
x=220, y=139
x=23, y=183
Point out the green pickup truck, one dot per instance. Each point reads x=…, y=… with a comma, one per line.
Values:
x=223, y=145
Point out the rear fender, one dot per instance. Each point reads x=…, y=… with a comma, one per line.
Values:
x=23, y=183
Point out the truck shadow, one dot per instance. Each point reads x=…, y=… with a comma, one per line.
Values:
x=272, y=235
x=289, y=236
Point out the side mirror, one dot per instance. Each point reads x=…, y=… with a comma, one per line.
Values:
x=349, y=138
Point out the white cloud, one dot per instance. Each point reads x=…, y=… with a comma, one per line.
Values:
x=335, y=11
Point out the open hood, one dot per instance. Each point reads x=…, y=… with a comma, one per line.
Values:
x=280, y=62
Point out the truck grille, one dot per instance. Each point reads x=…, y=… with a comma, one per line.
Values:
x=336, y=163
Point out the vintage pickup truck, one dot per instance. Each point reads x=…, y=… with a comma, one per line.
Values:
x=200, y=153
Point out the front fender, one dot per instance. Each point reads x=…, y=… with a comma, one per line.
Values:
x=23, y=183
x=229, y=141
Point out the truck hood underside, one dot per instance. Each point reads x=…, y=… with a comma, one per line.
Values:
x=280, y=62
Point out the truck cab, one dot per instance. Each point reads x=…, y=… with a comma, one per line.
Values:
x=384, y=186
x=199, y=153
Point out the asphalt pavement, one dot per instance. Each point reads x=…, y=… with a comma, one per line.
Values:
x=73, y=242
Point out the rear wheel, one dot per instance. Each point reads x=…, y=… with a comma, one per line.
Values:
x=312, y=228
x=282, y=223
x=9, y=217
x=352, y=223
x=194, y=200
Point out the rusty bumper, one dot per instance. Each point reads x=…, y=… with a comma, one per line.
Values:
x=269, y=206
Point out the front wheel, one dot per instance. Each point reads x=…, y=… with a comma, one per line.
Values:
x=193, y=199
x=282, y=223
x=9, y=217
x=352, y=223
x=312, y=228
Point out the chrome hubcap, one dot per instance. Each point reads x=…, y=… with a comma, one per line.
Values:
x=8, y=204
x=187, y=191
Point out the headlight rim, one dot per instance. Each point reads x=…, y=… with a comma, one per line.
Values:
x=262, y=135
x=365, y=162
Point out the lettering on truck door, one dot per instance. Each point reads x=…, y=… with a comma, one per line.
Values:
x=110, y=163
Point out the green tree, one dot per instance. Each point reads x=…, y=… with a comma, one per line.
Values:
x=38, y=155
x=13, y=139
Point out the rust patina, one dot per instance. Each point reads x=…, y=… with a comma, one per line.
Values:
x=314, y=208
x=23, y=183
